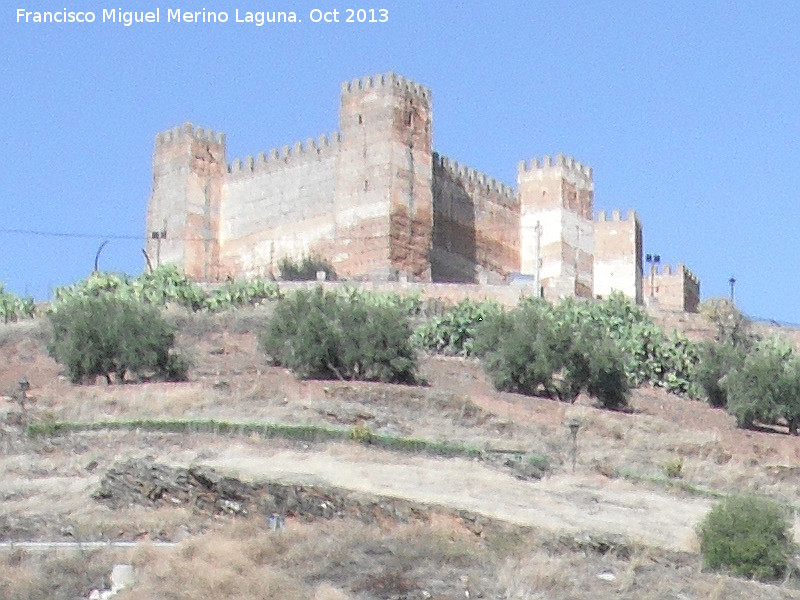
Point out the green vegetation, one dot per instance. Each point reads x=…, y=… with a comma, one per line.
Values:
x=649, y=355
x=308, y=433
x=108, y=335
x=167, y=285
x=539, y=349
x=751, y=537
x=453, y=333
x=726, y=353
x=14, y=308
x=766, y=388
x=305, y=269
x=673, y=467
x=409, y=304
x=324, y=335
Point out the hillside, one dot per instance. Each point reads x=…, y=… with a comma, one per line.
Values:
x=515, y=523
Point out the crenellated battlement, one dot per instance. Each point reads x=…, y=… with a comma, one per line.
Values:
x=615, y=216
x=561, y=163
x=323, y=146
x=387, y=80
x=377, y=201
x=189, y=131
x=473, y=177
x=679, y=270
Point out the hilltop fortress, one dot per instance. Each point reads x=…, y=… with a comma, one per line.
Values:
x=380, y=204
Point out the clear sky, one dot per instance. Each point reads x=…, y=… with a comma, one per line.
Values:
x=688, y=112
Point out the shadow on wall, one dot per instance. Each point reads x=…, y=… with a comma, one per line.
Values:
x=454, y=254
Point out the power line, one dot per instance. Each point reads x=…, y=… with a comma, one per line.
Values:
x=63, y=234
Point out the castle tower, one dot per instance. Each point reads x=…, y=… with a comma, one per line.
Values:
x=183, y=213
x=618, y=255
x=383, y=197
x=556, y=229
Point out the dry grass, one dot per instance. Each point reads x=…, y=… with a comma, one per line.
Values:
x=56, y=575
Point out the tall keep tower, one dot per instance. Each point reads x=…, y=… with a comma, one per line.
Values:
x=189, y=170
x=383, y=199
x=556, y=229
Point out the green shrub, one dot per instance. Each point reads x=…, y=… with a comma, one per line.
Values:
x=726, y=353
x=241, y=292
x=766, y=389
x=323, y=335
x=410, y=304
x=673, y=467
x=305, y=269
x=14, y=308
x=106, y=335
x=649, y=355
x=539, y=349
x=168, y=285
x=454, y=332
x=362, y=434
x=715, y=361
x=748, y=536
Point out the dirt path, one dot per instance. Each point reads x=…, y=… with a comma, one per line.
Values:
x=563, y=503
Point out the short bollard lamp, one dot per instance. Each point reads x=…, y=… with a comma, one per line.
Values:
x=24, y=386
x=574, y=425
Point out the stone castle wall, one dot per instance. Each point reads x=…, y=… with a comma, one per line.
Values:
x=376, y=200
x=279, y=204
x=618, y=255
x=557, y=233
x=475, y=225
x=672, y=288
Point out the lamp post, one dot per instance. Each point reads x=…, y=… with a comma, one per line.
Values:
x=574, y=425
x=653, y=260
x=538, y=231
x=24, y=386
x=732, y=282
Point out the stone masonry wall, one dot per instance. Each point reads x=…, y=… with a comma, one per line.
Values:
x=556, y=228
x=376, y=201
x=383, y=206
x=183, y=214
x=475, y=225
x=673, y=288
x=279, y=205
x=618, y=255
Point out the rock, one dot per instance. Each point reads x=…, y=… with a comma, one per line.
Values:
x=607, y=576
x=122, y=577
x=145, y=483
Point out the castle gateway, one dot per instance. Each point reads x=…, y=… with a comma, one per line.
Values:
x=378, y=203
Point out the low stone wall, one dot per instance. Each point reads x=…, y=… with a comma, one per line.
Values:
x=204, y=489
x=507, y=295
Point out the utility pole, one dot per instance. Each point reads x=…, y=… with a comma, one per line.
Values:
x=538, y=231
x=158, y=236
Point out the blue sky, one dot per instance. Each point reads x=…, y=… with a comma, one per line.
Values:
x=688, y=112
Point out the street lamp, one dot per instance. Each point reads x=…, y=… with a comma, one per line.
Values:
x=24, y=386
x=732, y=282
x=574, y=425
x=652, y=260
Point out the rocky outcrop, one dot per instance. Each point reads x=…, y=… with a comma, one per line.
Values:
x=204, y=489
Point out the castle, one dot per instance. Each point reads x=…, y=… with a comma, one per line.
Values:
x=380, y=204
